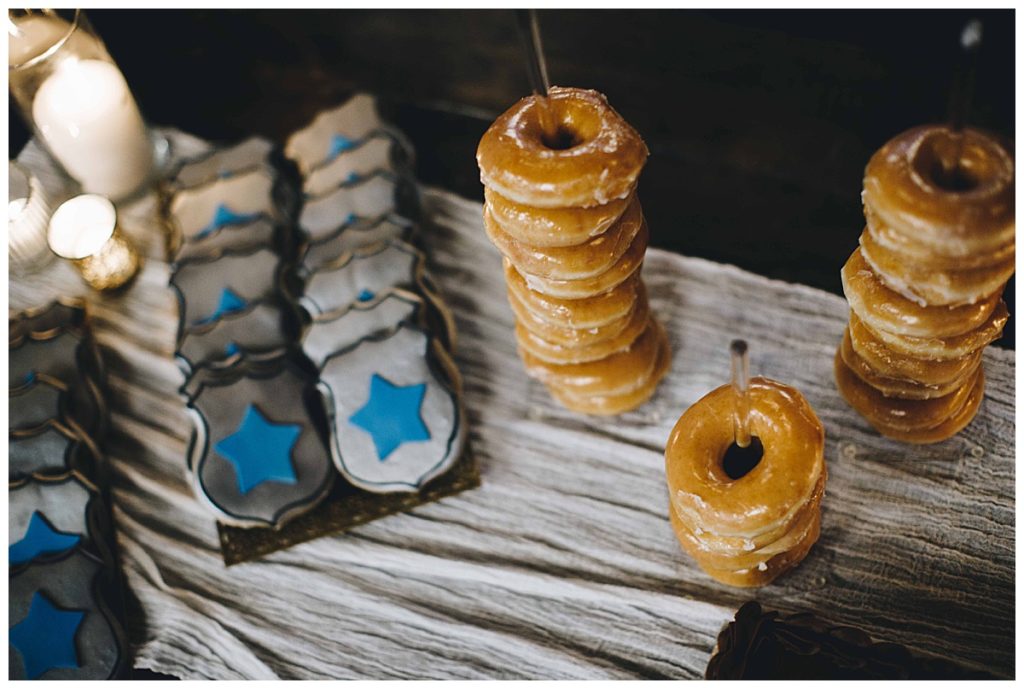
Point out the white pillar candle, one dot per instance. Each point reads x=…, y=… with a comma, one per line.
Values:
x=89, y=120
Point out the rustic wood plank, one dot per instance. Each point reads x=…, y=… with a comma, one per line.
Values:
x=562, y=565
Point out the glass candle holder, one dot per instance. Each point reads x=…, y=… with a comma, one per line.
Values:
x=84, y=230
x=28, y=212
x=78, y=103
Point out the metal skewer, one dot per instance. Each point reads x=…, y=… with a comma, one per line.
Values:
x=529, y=31
x=963, y=91
x=741, y=386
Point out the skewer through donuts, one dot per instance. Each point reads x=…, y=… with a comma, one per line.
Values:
x=926, y=282
x=562, y=209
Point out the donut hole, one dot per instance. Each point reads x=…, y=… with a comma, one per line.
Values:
x=738, y=461
x=562, y=139
x=949, y=162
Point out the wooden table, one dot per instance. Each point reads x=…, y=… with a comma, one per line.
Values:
x=563, y=564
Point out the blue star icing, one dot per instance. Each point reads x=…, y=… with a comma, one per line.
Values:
x=352, y=178
x=231, y=349
x=224, y=216
x=351, y=218
x=365, y=295
x=229, y=302
x=260, y=450
x=40, y=539
x=46, y=637
x=392, y=415
x=339, y=144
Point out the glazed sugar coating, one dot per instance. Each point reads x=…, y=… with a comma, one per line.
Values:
x=926, y=282
x=747, y=530
x=561, y=207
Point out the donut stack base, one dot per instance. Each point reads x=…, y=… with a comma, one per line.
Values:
x=925, y=284
x=749, y=530
x=571, y=229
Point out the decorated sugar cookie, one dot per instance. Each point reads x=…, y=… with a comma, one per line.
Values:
x=331, y=332
x=256, y=457
x=260, y=327
x=223, y=162
x=378, y=152
x=236, y=200
x=213, y=287
x=366, y=198
x=61, y=626
x=250, y=233
x=395, y=414
x=32, y=405
x=48, y=515
x=333, y=132
x=52, y=448
x=352, y=236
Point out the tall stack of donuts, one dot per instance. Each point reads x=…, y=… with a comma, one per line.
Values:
x=560, y=176
x=925, y=285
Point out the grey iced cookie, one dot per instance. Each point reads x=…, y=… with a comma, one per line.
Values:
x=365, y=199
x=261, y=327
x=333, y=132
x=331, y=332
x=53, y=448
x=211, y=287
x=61, y=626
x=261, y=231
x=33, y=404
x=223, y=162
x=394, y=411
x=377, y=152
x=237, y=200
x=350, y=237
x=48, y=515
x=256, y=456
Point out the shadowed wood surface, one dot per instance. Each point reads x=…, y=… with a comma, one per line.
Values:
x=563, y=564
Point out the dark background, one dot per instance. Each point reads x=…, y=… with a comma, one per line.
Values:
x=759, y=122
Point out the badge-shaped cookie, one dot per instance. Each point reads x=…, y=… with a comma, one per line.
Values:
x=60, y=313
x=61, y=626
x=261, y=327
x=332, y=132
x=33, y=404
x=217, y=163
x=237, y=200
x=256, y=456
x=210, y=288
x=331, y=332
x=353, y=236
x=263, y=231
x=366, y=199
x=394, y=411
x=378, y=152
x=48, y=515
x=53, y=448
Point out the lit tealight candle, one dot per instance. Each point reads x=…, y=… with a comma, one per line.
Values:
x=84, y=230
x=27, y=214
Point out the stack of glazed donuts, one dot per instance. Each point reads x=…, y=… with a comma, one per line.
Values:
x=560, y=178
x=745, y=530
x=926, y=282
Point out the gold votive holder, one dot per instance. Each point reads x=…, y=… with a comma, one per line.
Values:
x=84, y=230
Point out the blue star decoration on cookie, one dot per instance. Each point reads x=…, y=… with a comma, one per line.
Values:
x=229, y=302
x=224, y=216
x=392, y=415
x=46, y=637
x=339, y=144
x=260, y=450
x=40, y=538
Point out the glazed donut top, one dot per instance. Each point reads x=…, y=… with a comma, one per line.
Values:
x=775, y=490
x=905, y=185
x=596, y=158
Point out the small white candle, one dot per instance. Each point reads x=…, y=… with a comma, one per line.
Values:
x=84, y=230
x=89, y=120
x=27, y=213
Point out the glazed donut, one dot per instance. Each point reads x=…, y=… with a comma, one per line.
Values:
x=930, y=286
x=944, y=349
x=588, y=287
x=883, y=309
x=781, y=484
x=589, y=312
x=898, y=387
x=618, y=374
x=915, y=421
x=553, y=227
x=902, y=186
x=577, y=337
x=593, y=257
x=607, y=405
x=555, y=353
x=597, y=158
x=893, y=364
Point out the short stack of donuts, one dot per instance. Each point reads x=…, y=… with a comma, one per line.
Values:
x=560, y=179
x=745, y=530
x=926, y=282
